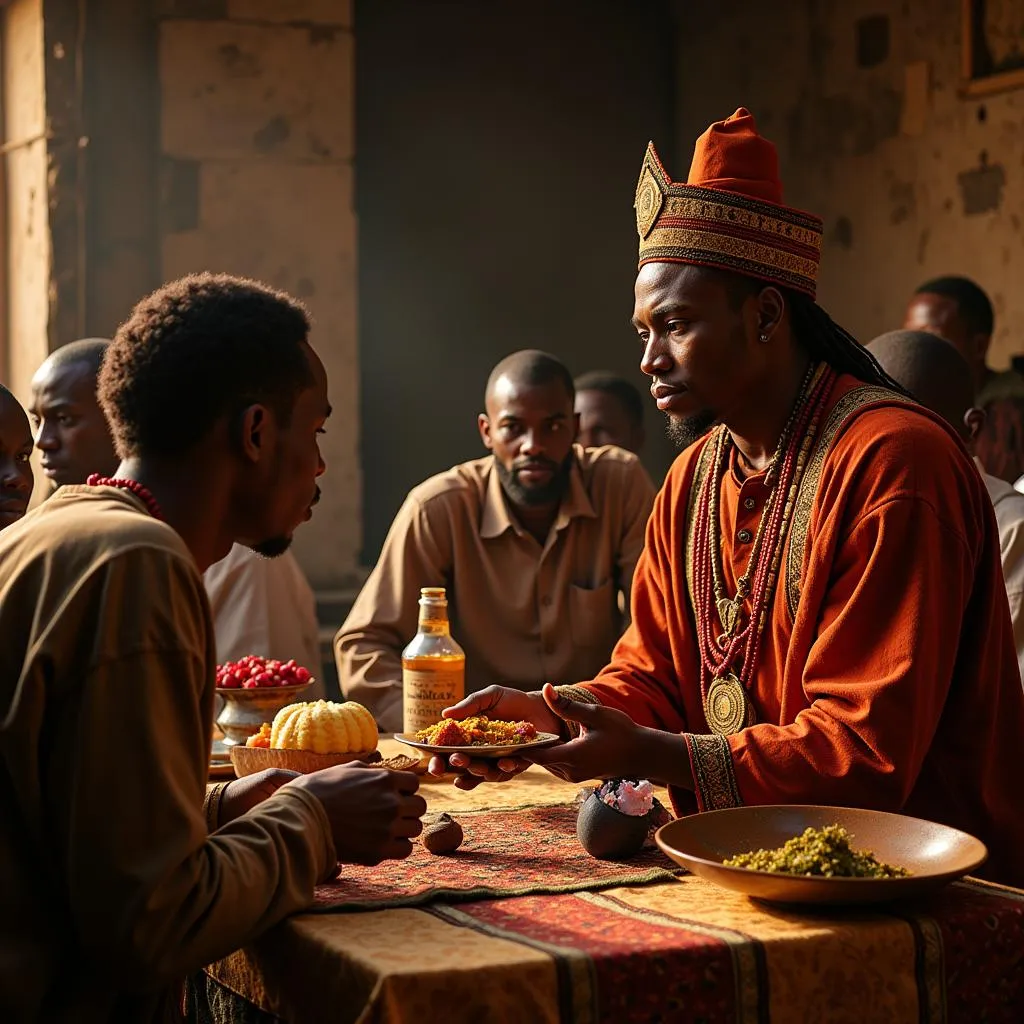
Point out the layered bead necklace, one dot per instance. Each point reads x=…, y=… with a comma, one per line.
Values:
x=729, y=659
x=142, y=493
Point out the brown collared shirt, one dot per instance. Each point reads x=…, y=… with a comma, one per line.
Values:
x=525, y=613
x=111, y=890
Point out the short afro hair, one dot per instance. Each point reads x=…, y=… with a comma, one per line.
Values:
x=974, y=305
x=627, y=394
x=196, y=350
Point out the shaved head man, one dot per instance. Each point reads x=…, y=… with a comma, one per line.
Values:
x=68, y=425
x=610, y=410
x=935, y=373
x=958, y=311
x=535, y=544
x=939, y=377
x=529, y=427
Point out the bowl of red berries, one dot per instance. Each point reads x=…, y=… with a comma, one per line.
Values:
x=254, y=689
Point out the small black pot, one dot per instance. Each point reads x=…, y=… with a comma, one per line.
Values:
x=608, y=834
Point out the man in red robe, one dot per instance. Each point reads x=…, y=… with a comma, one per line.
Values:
x=819, y=614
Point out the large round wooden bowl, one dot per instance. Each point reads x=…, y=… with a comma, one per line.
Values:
x=934, y=854
x=249, y=760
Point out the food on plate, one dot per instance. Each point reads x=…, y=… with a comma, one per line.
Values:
x=261, y=738
x=324, y=727
x=443, y=835
x=253, y=672
x=819, y=851
x=478, y=731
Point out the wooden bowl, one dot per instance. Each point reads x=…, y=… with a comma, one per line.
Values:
x=249, y=760
x=934, y=854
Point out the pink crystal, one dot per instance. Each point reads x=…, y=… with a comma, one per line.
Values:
x=633, y=798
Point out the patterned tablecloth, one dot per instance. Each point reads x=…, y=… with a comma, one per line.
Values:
x=672, y=949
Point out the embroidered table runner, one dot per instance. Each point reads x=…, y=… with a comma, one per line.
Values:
x=513, y=851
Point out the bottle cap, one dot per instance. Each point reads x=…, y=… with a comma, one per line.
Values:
x=432, y=593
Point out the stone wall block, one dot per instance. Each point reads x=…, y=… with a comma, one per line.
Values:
x=321, y=12
x=292, y=226
x=259, y=92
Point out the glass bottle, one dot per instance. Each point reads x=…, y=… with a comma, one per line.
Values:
x=433, y=665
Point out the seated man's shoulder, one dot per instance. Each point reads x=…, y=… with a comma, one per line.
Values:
x=462, y=485
x=896, y=429
x=102, y=524
x=900, y=449
x=609, y=466
x=73, y=538
x=1006, y=499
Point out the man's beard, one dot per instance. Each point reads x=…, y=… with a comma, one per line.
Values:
x=272, y=548
x=684, y=431
x=549, y=493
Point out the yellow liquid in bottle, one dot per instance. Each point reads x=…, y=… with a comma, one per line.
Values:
x=433, y=672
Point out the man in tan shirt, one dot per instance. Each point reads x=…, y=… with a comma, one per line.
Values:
x=259, y=605
x=533, y=543
x=116, y=879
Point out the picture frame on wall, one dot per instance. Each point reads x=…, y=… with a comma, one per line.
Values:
x=993, y=46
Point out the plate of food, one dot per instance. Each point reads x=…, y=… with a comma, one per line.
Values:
x=796, y=853
x=479, y=737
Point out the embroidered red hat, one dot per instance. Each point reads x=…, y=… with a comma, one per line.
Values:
x=729, y=214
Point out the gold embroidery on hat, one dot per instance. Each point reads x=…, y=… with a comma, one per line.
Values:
x=649, y=200
x=708, y=227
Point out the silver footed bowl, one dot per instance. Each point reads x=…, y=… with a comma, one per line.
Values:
x=245, y=711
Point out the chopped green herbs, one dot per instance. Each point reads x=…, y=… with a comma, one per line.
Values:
x=819, y=851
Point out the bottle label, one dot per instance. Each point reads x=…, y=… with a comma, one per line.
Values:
x=426, y=693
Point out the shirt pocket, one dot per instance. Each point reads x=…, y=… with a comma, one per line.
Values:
x=592, y=615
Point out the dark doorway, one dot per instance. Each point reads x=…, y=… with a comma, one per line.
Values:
x=498, y=146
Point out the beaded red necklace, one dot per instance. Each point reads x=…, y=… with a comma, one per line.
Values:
x=142, y=493
x=723, y=686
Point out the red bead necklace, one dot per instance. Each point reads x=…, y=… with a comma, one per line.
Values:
x=142, y=493
x=729, y=661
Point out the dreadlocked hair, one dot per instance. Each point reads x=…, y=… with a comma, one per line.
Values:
x=824, y=339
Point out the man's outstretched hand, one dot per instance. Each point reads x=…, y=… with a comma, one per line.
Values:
x=505, y=704
x=610, y=743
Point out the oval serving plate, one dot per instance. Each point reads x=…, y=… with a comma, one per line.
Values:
x=489, y=753
x=934, y=854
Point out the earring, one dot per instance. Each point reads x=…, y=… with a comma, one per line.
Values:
x=764, y=337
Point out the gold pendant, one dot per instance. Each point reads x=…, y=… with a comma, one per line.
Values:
x=726, y=707
x=728, y=613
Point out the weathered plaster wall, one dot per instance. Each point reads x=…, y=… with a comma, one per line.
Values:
x=256, y=142
x=912, y=180
x=25, y=165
